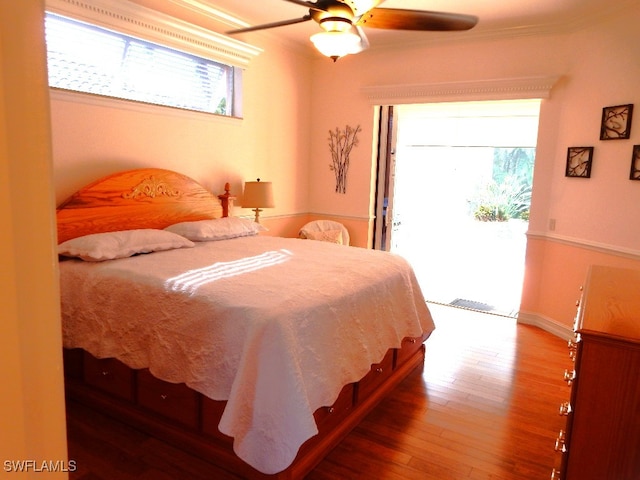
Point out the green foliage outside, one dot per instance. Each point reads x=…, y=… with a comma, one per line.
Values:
x=508, y=194
x=222, y=107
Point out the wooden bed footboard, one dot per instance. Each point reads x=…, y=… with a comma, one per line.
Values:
x=188, y=420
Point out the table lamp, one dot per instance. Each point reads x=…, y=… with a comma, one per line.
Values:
x=258, y=195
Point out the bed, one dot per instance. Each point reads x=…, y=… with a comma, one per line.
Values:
x=248, y=350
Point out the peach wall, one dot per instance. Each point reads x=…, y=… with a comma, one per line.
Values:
x=604, y=72
x=563, y=268
x=289, y=226
x=32, y=417
x=339, y=98
x=359, y=228
x=93, y=137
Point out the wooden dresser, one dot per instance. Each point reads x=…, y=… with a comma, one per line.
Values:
x=601, y=440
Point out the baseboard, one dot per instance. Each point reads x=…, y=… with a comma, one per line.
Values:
x=547, y=324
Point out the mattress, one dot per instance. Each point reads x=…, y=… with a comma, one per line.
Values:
x=274, y=326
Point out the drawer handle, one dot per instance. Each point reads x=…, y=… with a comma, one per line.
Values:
x=379, y=370
x=330, y=410
x=560, y=446
x=573, y=350
x=555, y=474
x=565, y=409
x=106, y=373
x=164, y=396
x=412, y=340
x=569, y=376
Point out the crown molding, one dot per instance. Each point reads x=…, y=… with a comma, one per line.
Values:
x=561, y=26
x=148, y=24
x=208, y=11
x=496, y=89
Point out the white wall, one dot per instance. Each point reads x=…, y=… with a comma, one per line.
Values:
x=94, y=137
x=598, y=67
x=603, y=71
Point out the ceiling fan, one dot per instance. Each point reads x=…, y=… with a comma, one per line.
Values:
x=342, y=22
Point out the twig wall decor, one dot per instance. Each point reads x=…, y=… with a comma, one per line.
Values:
x=340, y=143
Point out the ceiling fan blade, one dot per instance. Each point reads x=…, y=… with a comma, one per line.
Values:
x=270, y=25
x=398, y=19
x=360, y=7
x=364, y=41
x=310, y=5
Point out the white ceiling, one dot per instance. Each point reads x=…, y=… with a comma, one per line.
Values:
x=496, y=17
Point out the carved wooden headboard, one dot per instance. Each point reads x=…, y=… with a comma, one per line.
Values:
x=141, y=198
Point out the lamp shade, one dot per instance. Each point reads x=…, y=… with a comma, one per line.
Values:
x=258, y=195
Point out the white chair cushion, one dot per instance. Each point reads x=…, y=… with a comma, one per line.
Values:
x=318, y=226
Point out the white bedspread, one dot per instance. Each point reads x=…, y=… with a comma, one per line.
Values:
x=274, y=326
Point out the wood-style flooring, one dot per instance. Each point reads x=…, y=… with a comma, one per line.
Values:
x=484, y=407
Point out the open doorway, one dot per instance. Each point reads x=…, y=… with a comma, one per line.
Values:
x=461, y=187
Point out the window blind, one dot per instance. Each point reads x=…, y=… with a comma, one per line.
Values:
x=90, y=59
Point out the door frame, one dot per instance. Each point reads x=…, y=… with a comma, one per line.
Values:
x=387, y=135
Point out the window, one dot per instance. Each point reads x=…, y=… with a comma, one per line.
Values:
x=90, y=59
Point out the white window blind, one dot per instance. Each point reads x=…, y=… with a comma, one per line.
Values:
x=90, y=59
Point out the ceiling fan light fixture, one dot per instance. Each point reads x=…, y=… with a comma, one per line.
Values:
x=335, y=24
x=340, y=18
x=336, y=44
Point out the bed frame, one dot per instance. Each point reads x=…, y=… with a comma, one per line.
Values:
x=156, y=198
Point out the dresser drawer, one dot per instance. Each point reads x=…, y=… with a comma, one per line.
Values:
x=174, y=401
x=379, y=373
x=109, y=375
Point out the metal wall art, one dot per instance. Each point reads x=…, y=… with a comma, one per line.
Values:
x=616, y=122
x=635, y=163
x=579, y=161
x=341, y=142
x=615, y=125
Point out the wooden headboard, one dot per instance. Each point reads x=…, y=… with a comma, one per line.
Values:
x=141, y=198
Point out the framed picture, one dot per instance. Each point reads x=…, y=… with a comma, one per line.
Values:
x=616, y=122
x=579, y=162
x=635, y=163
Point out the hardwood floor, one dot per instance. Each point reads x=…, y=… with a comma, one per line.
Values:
x=484, y=407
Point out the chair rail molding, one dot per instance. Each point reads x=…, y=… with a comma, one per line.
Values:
x=607, y=249
x=496, y=89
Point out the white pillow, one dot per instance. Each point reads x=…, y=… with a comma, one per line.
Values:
x=216, y=229
x=125, y=243
x=333, y=236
